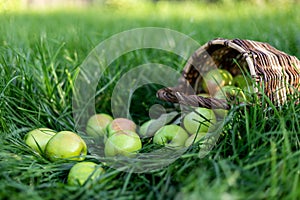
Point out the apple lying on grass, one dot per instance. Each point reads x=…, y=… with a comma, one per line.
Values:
x=121, y=124
x=37, y=139
x=66, y=145
x=146, y=129
x=122, y=142
x=97, y=124
x=81, y=172
x=199, y=120
x=194, y=138
x=171, y=136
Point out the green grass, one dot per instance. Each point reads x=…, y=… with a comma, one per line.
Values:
x=256, y=158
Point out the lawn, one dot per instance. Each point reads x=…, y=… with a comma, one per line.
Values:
x=257, y=156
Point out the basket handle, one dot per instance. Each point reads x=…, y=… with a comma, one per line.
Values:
x=169, y=95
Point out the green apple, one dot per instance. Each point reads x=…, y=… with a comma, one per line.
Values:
x=203, y=95
x=171, y=135
x=231, y=93
x=121, y=124
x=97, y=124
x=37, y=139
x=194, y=138
x=122, y=142
x=241, y=81
x=149, y=128
x=246, y=84
x=226, y=76
x=66, y=145
x=146, y=129
x=220, y=113
x=84, y=171
x=215, y=79
x=199, y=120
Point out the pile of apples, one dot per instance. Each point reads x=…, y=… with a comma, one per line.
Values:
x=64, y=145
x=220, y=84
x=122, y=137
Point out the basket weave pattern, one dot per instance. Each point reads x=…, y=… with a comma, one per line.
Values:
x=275, y=71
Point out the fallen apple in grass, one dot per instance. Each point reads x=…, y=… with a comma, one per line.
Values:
x=146, y=129
x=194, y=138
x=37, y=139
x=121, y=124
x=122, y=142
x=97, y=124
x=84, y=171
x=149, y=127
x=171, y=135
x=199, y=120
x=66, y=145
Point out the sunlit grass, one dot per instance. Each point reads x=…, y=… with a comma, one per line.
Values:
x=256, y=158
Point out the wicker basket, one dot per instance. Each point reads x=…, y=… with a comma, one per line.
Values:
x=273, y=70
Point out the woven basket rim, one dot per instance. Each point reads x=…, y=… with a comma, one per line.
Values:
x=231, y=44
